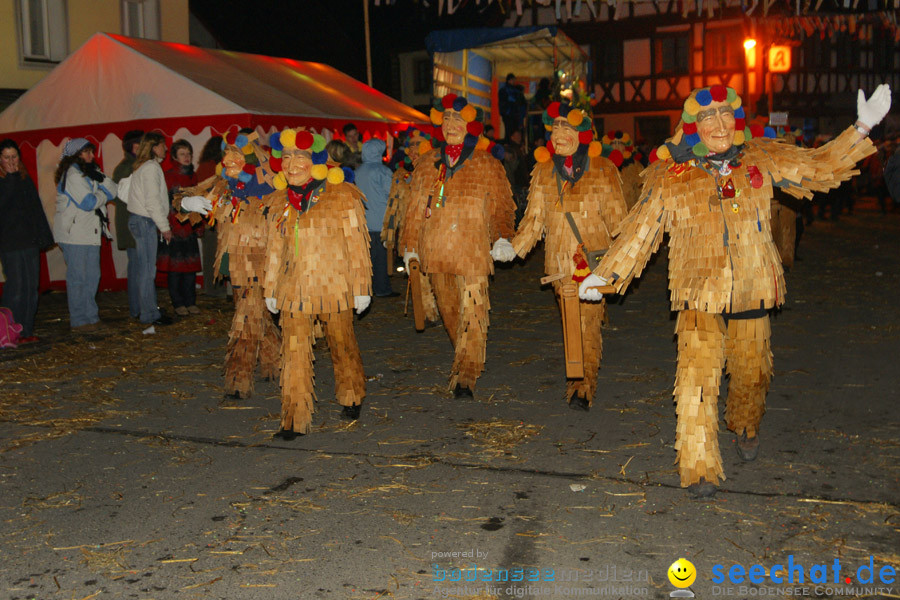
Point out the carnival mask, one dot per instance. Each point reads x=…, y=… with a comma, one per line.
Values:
x=453, y=127
x=296, y=165
x=564, y=137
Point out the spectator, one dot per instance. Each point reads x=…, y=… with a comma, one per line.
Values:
x=374, y=181
x=24, y=232
x=82, y=192
x=513, y=106
x=351, y=135
x=148, y=203
x=181, y=257
x=490, y=133
x=210, y=157
x=340, y=155
x=124, y=239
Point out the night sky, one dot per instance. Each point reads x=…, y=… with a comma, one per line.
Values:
x=332, y=31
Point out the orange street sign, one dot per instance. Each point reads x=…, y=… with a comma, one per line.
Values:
x=779, y=59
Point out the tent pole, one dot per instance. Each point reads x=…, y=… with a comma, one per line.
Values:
x=368, y=43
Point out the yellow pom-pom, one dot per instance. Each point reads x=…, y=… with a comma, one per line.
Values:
x=548, y=127
x=319, y=171
x=468, y=113
x=279, y=181
x=219, y=169
x=424, y=147
x=248, y=149
x=737, y=103
x=738, y=138
x=288, y=138
x=575, y=118
x=595, y=148
x=626, y=154
x=692, y=106
x=541, y=154
x=437, y=117
x=483, y=143
x=335, y=175
x=663, y=152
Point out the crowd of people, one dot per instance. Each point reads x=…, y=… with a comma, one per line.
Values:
x=305, y=228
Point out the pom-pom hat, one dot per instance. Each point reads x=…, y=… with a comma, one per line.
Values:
x=579, y=120
x=472, y=115
x=306, y=141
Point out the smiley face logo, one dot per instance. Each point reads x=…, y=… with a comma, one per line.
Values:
x=682, y=573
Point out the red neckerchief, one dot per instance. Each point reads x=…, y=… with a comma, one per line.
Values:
x=568, y=162
x=454, y=152
x=298, y=196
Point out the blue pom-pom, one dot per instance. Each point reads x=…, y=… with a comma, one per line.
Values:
x=245, y=177
x=739, y=113
x=224, y=144
x=470, y=140
x=275, y=142
x=349, y=175
x=498, y=152
x=241, y=140
x=692, y=139
x=459, y=103
x=769, y=132
x=320, y=158
x=564, y=110
x=703, y=98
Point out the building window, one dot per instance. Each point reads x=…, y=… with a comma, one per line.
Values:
x=723, y=49
x=608, y=59
x=140, y=18
x=422, y=76
x=670, y=55
x=42, y=30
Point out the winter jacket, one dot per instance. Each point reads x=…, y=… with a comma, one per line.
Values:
x=149, y=196
x=373, y=179
x=24, y=224
x=77, y=197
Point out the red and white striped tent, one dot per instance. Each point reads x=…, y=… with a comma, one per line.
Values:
x=113, y=84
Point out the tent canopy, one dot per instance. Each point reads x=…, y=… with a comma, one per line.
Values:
x=526, y=51
x=123, y=83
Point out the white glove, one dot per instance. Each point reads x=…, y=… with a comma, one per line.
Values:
x=272, y=305
x=361, y=303
x=503, y=251
x=408, y=256
x=589, y=282
x=870, y=112
x=197, y=204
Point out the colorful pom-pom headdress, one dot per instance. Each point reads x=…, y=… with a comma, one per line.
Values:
x=242, y=142
x=617, y=156
x=686, y=144
x=472, y=115
x=578, y=119
x=314, y=144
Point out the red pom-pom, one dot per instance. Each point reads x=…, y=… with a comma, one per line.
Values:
x=475, y=128
x=756, y=130
x=230, y=136
x=616, y=157
x=611, y=134
x=447, y=101
x=275, y=163
x=553, y=110
x=248, y=168
x=689, y=128
x=550, y=148
x=719, y=93
x=653, y=156
x=438, y=134
x=756, y=178
x=585, y=137
x=740, y=124
x=304, y=140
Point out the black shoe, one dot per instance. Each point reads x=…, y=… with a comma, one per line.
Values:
x=351, y=413
x=579, y=403
x=429, y=324
x=747, y=448
x=391, y=295
x=462, y=392
x=702, y=489
x=163, y=320
x=233, y=395
x=287, y=435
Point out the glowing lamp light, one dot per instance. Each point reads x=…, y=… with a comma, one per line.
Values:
x=749, y=44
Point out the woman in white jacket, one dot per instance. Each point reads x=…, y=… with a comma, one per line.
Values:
x=82, y=192
x=148, y=205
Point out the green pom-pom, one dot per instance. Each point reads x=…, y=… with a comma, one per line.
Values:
x=276, y=153
x=748, y=135
x=700, y=149
x=732, y=96
x=318, y=143
x=688, y=117
x=438, y=105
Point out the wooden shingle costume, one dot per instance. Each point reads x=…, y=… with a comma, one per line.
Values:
x=618, y=148
x=711, y=191
x=318, y=267
x=460, y=218
x=240, y=212
x=575, y=193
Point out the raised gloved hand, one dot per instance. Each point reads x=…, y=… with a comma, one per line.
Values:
x=93, y=171
x=197, y=204
x=589, y=282
x=272, y=305
x=361, y=303
x=408, y=256
x=870, y=112
x=503, y=251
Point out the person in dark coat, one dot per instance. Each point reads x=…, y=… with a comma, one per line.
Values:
x=24, y=232
x=124, y=239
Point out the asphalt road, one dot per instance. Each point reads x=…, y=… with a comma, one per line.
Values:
x=125, y=474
